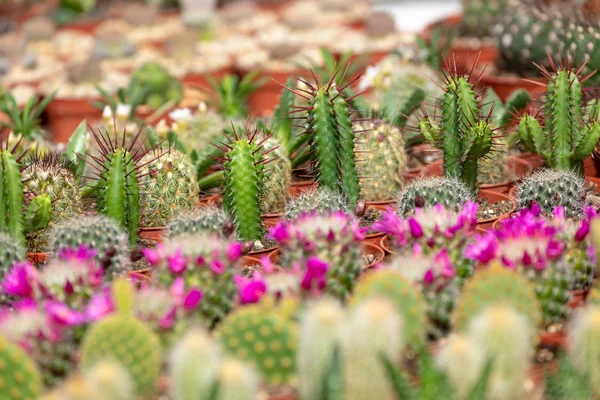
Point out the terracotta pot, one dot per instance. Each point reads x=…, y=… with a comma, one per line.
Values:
x=270, y=220
x=535, y=160
x=556, y=339
x=385, y=245
x=274, y=6
x=589, y=167
x=301, y=187
x=411, y=174
x=199, y=79
x=210, y=200
x=65, y=115
x=361, y=61
x=263, y=101
x=465, y=55
x=260, y=253
x=368, y=249
x=87, y=26
x=494, y=197
x=578, y=298
x=516, y=165
x=498, y=223
x=156, y=234
x=504, y=85
x=248, y=261
x=144, y=112
x=38, y=258
x=139, y=278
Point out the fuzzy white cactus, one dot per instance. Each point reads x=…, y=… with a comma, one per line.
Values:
x=462, y=360
x=584, y=348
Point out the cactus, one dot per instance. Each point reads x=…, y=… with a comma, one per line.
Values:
x=277, y=178
x=568, y=135
x=566, y=383
x=10, y=252
x=264, y=339
x=583, y=344
x=449, y=192
x=109, y=380
x=581, y=38
x=328, y=243
x=319, y=201
x=383, y=160
x=497, y=286
x=363, y=346
x=157, y=85
x=204, y=219
x=19, y=375
x=50, y=174
x=552, y=286
x=168, y=184
x=553, y=188
x=504, y=336
x=408, y=301
x=462, y=360
x=331, y=137
x=461, y=133
x=97, y=232
x=320, y=332
x=480, y=15
x=237, y=381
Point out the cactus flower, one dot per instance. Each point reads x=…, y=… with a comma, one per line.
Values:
x=20, y=280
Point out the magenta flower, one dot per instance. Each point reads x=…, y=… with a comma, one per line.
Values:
x=279, y=232
x=152, y=256
x=20, y=280
x=167, y=321
x=415, y=228
x=252, y=289
x=483, y=249
x=177, y=289
x=217, y=267
x=192, y=299
x=176, y=262
x=429, y=277
x=315, y=274
x=100, y=305
x=234, y=251
x=62, y=315
x=266, y=264
x=442, y=259
x=82, y=254
x=392, y=225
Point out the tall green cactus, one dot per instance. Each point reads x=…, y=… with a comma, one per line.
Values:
x=569, y=134
x=461, y=133
x=331, y=137
x=117, y=172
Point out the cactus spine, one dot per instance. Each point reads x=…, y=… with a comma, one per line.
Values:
x=424, y=192
x=277, y=178
x=204, y=219
x=319, y=201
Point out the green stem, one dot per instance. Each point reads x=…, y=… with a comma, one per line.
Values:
x=469, y=175
x=205, y=161
x=11, y=198
x=302, y=156
x=210, y=181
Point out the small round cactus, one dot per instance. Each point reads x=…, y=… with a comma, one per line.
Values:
x=406, y=298
x=552, y=289
x=10, y=252
x=479, y=15
x=20, y=379
x=264, y=339
x=319, y=201
x=97, y=232
x=451, y=193
x=462, y=360
x=552, y=188
x=237, y=381
x=111, y=381
x=129, y=342
x=277, y=180
x=168, y=186
x=381, y=160
x=204, y=219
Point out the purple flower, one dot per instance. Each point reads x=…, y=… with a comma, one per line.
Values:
x=218, y=267
x=428, y=278
x=192, y=299
x=20, y=280
x=100, y=305
x=250, y=289
x=279, y=232
x=315, y=274
x=62, y=315
x=392, y=225
x=152, y=256
x=176, y=262
x=582, y=232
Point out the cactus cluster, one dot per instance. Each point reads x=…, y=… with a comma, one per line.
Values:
x=157, y=85
x=204, y=219
x=449, y=192
x=319, y=201
x=20, y=377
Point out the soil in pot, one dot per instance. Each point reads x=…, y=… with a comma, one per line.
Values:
x=493, y=206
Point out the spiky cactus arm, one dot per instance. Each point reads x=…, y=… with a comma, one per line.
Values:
x=350, y=181
x=324, y=141
x=282, y=123
x=11, y=194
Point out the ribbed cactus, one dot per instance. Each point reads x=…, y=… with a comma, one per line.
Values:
x=329, y=243
x=551, y=188
x=331, y=137
x=264, y=339
x=568, y=135
x=460, y=132
x=583, y=344
x=363, y=346
x=319, y=201
x=552, y=286
x=277, y=179
x=10, y=252
x=449, y=192
x=480, y=15
x=18, y=373
x=97, y=232
x=50, y=174
x=407, y=300
x=203, y=219
x=383, y=160
x=167, y=186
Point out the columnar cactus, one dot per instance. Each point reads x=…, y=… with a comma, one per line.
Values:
x=277, y=178
x=327, y=245
x=550, y=188
x=383, y=160
x=568, y=135
x=583, y=349
x=10, y=253
x=168, y=186
x=203, y=219
x=331, y=137
x=461, y=133
x=319, y=201
x=49, y=174
x=449, y=192
x=96, y=232
x=20, y=377
x=264, y=339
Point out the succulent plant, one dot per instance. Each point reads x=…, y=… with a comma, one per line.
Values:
x=462, y=361
x=581, y=36
x=98, y=232
x=237, y=381
x=328, y=247
x=20, y=377
x=449, y=192
x=203, y=219
x=550, y=188
x=277, y=178
x=480, y=15
x=24, y=123
x=10, y=253
x=230, y=93
x=583, y=350
x=409, y=302
x=566, y=383
x=463, y=135
x=568, y=135
x=383, y=160
x=319, y=201
x=168, y=186
x=50, y=174
x=158, y=85
x=264, y=339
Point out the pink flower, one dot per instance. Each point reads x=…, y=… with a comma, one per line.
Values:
x=100, y=305
x=82, y=254
x=217, y=267
x=483, y=249
x=250, y=289
x=167, y=321
x=20, y=280
x=62, y=315
x=442, y=259
x=392, y=225
x=177, y=289
x=428, y=278
x=152, y=256
x=279, y=232
x=176, y=262
x=192, y=299
x=415, y=228
x=582, y=232
x=266, y=264
x=234, y=251
x=315, y=274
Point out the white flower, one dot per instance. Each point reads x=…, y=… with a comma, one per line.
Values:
x=123, y=111
x=107, y=112
x=180, y=114
x=369, y=77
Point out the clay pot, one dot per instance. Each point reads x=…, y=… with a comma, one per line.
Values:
x=275, y=6
x=385, y=245
x=210, y=200
x=263, y=101
x=270, y=220
x=578, y=298
x=589, y=167
x=369, y=248
x=259, y=253
x=535, y=160
x=556, y=339
x=466, y=56
x=504, y=85
x=301, y=187
x=516, y=165
x=65, y=115
x=139, y=277
x=199, y=80
x=411, y=174
x=494, y=197
x=248, y=261
x=155, y=234
x=38, y=258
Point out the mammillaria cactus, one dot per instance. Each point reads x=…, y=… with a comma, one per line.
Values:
x=20, y=377
x=203, y=219
x=98, y=232
x=480, y=15
x=408, y=301
x=568, y=135
x=583, y=350
x=550, y=188
x=264, y=339
x=327, y=246
x=319, y=201
x=51, y=175
x=449, y=192
x=10, y=252
x=383, y=160
x=168, y=185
